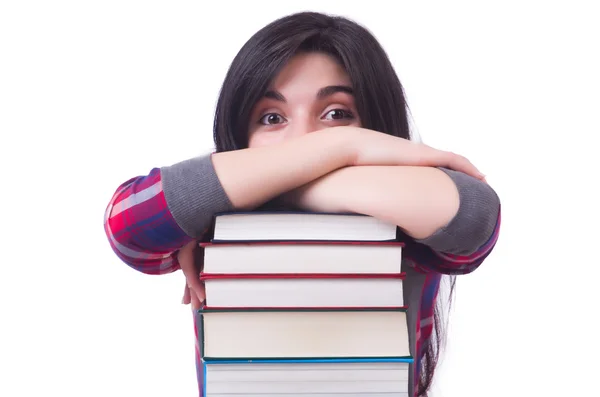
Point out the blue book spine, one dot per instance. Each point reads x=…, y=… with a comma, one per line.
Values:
x=308, y=361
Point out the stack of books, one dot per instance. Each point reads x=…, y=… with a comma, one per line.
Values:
x=303, y=304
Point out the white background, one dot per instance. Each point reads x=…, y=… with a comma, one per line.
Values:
x=93, y=93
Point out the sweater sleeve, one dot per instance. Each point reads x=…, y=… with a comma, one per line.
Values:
x=150, y=217
x=463, y=244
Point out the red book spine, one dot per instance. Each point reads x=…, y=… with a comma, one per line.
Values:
x=302, y=242
x=219, y=276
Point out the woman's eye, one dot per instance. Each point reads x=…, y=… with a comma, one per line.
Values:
x=271, y=119
x=338, y=114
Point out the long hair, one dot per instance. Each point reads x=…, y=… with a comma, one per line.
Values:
x=379, y=96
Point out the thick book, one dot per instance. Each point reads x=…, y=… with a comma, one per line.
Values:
x=295, y=226
x=303, y=290
x=303, y=257
x=294, y=333
x=326, y=377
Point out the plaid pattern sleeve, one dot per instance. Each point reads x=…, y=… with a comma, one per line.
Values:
x=140, y=228
x=435, y=265
x=428, y=260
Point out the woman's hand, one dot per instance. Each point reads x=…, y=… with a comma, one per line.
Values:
x=194, y=290
x=375, y=148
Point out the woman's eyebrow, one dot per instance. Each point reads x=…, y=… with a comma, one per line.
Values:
x=276, y=95
x=333, y=89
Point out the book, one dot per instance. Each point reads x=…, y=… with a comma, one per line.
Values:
x=294, y=226
x=303, y=290
x=325, y=377
x=294, y=333
x=303, y=304
x=303, y=257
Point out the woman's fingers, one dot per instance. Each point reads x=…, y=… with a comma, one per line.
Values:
x=196, y=302
x=188, y=298
x=439, y=158
x=186, y=295
x=187, y=265
x=462, y=164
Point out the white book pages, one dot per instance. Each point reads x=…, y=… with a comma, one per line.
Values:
x=301, y=226
x=304, y=292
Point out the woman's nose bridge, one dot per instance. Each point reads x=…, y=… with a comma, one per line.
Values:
x=305, y=123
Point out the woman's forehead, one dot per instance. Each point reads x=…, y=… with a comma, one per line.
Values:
x=310, y=72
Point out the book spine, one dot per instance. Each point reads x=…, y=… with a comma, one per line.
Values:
x=264, y=276
x=226, y=243
x=312, y=360
x=216, y=309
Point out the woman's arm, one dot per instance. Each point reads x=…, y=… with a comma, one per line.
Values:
x=150, y=217
x=196, y=189
x=454, y=214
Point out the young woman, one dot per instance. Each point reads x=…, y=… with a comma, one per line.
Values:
x=312, y=116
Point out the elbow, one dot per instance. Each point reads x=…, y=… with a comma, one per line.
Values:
x=132, y=242
x=143, y=261
x=124, y=247
x=480, y=214
x=475, y=226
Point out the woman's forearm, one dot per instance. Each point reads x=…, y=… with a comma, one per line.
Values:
x=420, y=200
x=251, y=177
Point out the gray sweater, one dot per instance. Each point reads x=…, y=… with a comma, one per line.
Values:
x=194, y=194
